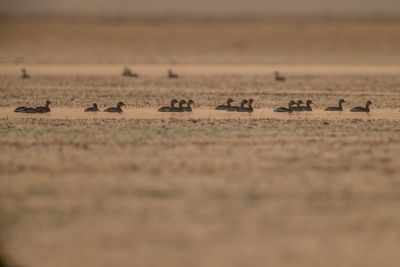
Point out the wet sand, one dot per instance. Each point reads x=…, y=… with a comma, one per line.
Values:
x=204, y=113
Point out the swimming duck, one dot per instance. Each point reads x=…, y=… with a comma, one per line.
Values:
x=44, y=109
x=172, y=75
x=236, y=108
x=308, y=106
x=249, y=109
x=180, y=108
x=25, y=110
x=92, y=109
x=24, y=74
x=283, y=109
x=127, y=72
x=225, y=107
x=279, y=78
x=362, y=109
x=339, y=108
x=20, y=109
x=167, y=108
x=298, y=107
x=116, y=109
x=188, y=108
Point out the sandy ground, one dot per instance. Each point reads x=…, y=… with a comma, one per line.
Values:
x=203, y=189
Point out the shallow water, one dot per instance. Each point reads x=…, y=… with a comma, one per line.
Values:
x=203, y=113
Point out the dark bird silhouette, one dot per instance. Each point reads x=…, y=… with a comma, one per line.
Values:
x=180, y=108
x=279, y=78
x=283, y=109
x=44, y=109
x=236, y=108
x=188, y=108
x=362, y=109
x=225, y=107
x=116, y=109
x=248, y=109
x=172, y=75
x=24, y=74
x=168, y=108
x=298, y=106
x=94, y=108
x=339, y=108
x=308, y=106
x=128, y=73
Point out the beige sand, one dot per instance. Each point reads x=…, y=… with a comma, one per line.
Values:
x=208, y=188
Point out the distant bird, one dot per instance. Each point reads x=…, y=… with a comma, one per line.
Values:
x=20, y=109
x=298, y=106
x=279, y=78
x=362, y=109
x=92, y=109
x=25, y=110
x=188, y=108
x=283, y=109
x=308, y=106
x=180, y=108
x=116, y=109
x=168, y=108
x=127, y=72
x=172, y=75
x=236, y=108
x=24, y=74
x=249, y=109
x=44, y=109
x=225, y=107
x=339, y=108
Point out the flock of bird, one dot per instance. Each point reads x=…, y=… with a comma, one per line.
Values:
x=292, y=106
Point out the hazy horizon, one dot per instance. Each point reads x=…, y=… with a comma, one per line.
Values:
x=203, y=8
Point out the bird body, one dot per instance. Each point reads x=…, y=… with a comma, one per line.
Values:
x=225, y=107
x=283, y=109
x=339, y=108
x=362, y=109
x=172, y=75
x=168, y=108
x=188, y=108
x=180, y=108
x=92, y=109
x=248, y=109
x=308, y=106
x=117, y=109
x=279, y=78
x=236, y=108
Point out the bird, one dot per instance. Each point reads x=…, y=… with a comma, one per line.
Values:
x=168, y=108
x=94, y=108
x=249, y=109
x=362, y=109
x=180, y=108
x=225, y=107
x=172, y=75
x=20, y=109
x=44, y=109
x=25, y=110
x=308, y=106
x=24, y=74
x=127, y=72
x=298, y=107
x=117, y=108
x=279, y=78
x=283, y=109
x=188, y=108
x=236, y=108
x=339, y=108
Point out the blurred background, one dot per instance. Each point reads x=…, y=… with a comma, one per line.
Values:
x=201, y=8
